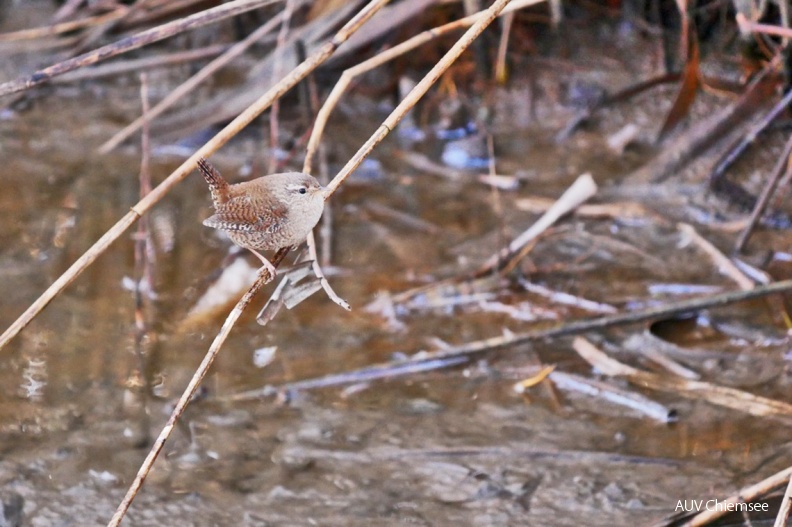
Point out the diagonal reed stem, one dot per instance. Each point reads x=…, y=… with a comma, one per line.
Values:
x=222, y=137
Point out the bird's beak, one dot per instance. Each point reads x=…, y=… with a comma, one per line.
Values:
x=325, y=192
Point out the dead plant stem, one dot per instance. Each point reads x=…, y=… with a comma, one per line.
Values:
x=185, y=87
x=277, y=65
x=393, y=119
x=63, y=27
x=396, y=51
x=222, y=137
x=418, y=91
x=746, y=494
x=458, y=354
x=786, y=504
x=139, y=40
x=184, y=400
x=133, y=65
x=782, y=168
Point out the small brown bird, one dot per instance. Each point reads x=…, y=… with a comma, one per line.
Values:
x=266, y=214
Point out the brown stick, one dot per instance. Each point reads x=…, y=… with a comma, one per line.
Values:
x=154, y=34
x=262, y=278
x=755, y=27
x=416, y=93
x=120, y=67
x=579, y=326
x=786, y=504
x=781, y=168
x=394, y=52
x=222, y=137
x=63, y=27
x=482, y=21
x=459, y=354
x=745, y=494
x=185, y=87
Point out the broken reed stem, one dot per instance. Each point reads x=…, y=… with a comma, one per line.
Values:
x=579, y=326
x=418, y=92
x=185, y=87
x=134, y=65
x=222, y=137
x=142, y=274
x=326, y=225
x=746, y=139
x=317, y=269
x=782, y=167
x=459, y=354
x=786, y=504
x=749, y=26
x=141, y=39
x=722, y=262
x=578, y=193
x=346, y=78
x=277, y=64
x=262, y=278
x=746, y=494
x=63, y=27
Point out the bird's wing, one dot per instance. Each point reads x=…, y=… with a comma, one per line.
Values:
x=245, y=215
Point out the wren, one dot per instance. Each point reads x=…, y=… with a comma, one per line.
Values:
x=267, y=213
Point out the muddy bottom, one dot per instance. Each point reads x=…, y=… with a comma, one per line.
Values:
x=80, y=399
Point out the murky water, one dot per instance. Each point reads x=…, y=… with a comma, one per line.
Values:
x=451, y=447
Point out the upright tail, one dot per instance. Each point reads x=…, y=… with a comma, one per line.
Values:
x=218, y=186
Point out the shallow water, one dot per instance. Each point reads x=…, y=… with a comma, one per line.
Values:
x=450, y=447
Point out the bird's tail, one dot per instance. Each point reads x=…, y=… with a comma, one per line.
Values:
x=217, y=184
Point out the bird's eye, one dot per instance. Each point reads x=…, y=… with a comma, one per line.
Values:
x=303, y=190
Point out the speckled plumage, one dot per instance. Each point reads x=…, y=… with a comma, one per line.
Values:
x=266, y=214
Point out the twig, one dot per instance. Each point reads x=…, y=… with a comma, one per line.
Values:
x=348, y=75
x=242, y=120
x=581, y=190
x=277, y=64
x=138, y=381
x=782, y=168
x=612, y=394
x=261, y=279
x=746, y=494
x=96, y=32
x=382, y=371
x=144, y=243
x=508, y=452
x=503, y=47
x=746, y=139
x=326, y=225
x=559, y=297
x=580, y=326
x=63, y=27
x=749, y=26
x=786, y=504
x=465, y=351
x=715, y=394
x=185, y=87
x=704, y=134
x=724, y=265
x=126, y=66
x=317, y=269
x=133, y=42
x=396, y=115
